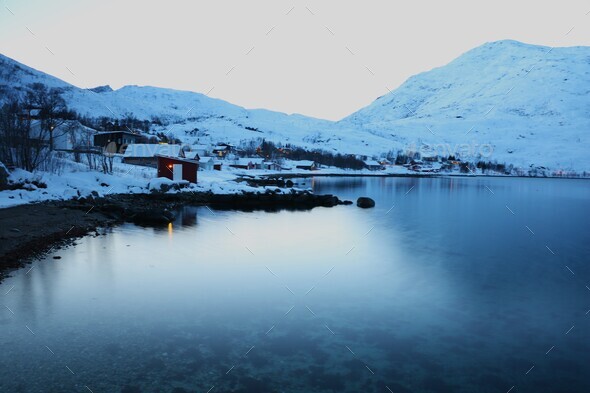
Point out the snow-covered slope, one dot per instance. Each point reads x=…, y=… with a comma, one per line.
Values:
x=505, y=101
x=530, y=103
x=190, y=116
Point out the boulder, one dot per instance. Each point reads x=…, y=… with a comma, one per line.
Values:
x=365, y=202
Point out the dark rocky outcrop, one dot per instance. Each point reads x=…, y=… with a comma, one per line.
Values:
x=365, y=202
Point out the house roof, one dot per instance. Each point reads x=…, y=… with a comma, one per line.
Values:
x=243, y=161
x=192, y=154
x=372, y=163
x=176, y=158
x=145, y=150
x=118, y=132
x=304, y=163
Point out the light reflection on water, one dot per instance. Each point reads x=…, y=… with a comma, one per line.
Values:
x=439, y=288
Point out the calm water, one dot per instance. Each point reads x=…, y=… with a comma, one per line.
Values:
x=440, y=288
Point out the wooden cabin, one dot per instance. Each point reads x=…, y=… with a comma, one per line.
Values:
x=177, y=168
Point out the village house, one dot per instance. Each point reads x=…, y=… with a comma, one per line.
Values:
x=209, y=164
x=222, y=150
x=243, y=163
x=68, y=135
x=257, y=162
x=306, y=164
x=373, y=165
x=206, y=162
x=430, y=158
x=177, y=168
x=120, y=138
x=146, y=154
x=201, y=149
x=271, y=166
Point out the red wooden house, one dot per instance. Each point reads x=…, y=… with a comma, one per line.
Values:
x=177, y=168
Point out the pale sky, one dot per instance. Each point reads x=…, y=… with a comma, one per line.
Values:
x=322, y=58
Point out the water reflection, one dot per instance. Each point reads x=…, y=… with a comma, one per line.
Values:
x=447, y=291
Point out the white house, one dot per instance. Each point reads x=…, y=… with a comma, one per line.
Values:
x=199, y=149
x=373, y=165
x=258, y=163
x=271, y=166
x=69, y=135
x=206, y=163
x=306, y=164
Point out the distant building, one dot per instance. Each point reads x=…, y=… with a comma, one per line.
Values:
x=306, y=164
x=146, y=154
x=373, y=165
x=258, y=163
x=222, y=150
x=120, y=138
x=243, y=163
x=201, y=149
x=205, y=163
x=69, y=135
x=177, y=168
x=271, y=166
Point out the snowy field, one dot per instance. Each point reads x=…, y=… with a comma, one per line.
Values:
x=75, y=180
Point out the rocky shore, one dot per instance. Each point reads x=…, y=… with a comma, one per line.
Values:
x=28, y=231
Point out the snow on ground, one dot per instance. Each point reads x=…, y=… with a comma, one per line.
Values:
x=74, y=180
x=71, y=183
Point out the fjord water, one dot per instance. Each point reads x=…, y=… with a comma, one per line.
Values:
x=448, y=285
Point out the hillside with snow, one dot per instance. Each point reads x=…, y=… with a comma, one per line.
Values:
x=189, y=115
x=530, y=103
x=504, y=101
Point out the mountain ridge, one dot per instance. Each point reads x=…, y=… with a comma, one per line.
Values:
x=528, y=103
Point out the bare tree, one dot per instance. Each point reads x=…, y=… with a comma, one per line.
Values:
x=52, y=108
x=17, y=144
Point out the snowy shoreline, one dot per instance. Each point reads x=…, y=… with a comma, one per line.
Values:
x=77, y=182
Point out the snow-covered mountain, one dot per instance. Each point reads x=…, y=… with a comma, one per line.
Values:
x=530, y=103
x=190, y=116
x=507, y=101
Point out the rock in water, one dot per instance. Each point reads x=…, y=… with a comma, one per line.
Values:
x=365, y=202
